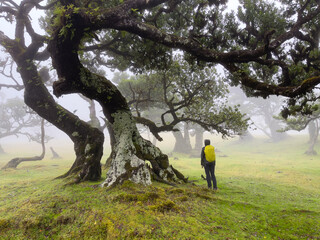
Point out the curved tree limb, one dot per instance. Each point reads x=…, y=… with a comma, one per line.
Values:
x=13, y=163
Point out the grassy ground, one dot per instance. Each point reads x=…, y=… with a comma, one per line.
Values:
x=266, y=191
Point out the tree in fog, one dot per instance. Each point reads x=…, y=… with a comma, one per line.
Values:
x=262, y=113
x=184, y=94
x=13, y=163
x=299, y=122
x=141, y=35
x=17, y=120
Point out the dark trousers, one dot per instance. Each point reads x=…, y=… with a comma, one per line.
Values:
x=209, y=168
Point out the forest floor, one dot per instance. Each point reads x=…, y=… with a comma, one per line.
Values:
x=266, y=191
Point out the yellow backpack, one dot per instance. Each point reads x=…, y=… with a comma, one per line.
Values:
x=209, y=153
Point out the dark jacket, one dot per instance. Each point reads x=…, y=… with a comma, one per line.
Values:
x=203, y=157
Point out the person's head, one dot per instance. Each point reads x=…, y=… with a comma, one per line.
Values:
x=206, y=142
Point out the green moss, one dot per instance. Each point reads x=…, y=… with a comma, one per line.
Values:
x=64, y=220
x=182, y=199
x=176, y=191
x=4, y=224
x=204, y=196
x=142, y=197
x=164, y=206
x=96, y=226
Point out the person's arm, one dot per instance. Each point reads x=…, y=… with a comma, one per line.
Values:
x=203, y=157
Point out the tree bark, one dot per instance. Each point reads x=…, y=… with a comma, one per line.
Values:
x=275, y=135
x=88, y=141
x=94, y=121
x=13, y=163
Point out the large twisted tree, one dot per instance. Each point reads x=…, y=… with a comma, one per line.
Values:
x=88, y=141
x=283, y=37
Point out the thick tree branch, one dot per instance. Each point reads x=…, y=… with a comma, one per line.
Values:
x=246, y=80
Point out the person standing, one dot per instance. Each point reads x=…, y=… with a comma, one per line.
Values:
x=208, y=161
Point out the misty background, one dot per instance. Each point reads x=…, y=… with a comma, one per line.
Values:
x=260, y=111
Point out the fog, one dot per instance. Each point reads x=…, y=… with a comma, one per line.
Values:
x=61, y=143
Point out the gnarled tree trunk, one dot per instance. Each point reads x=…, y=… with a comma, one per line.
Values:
x=130, y=151
x=88, y=141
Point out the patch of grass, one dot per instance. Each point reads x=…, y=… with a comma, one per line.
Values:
x=263, y=194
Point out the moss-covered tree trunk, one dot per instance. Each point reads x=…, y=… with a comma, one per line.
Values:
x=88, y=141
x=131, y=151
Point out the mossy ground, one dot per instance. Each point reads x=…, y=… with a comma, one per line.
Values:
x=266, y=191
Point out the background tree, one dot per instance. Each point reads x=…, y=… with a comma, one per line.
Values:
x=184, y=94
x=14, y=117
x=17, y=120
x=13, y=163
x=299, y=122
x=262, y=113
x=198, y=132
